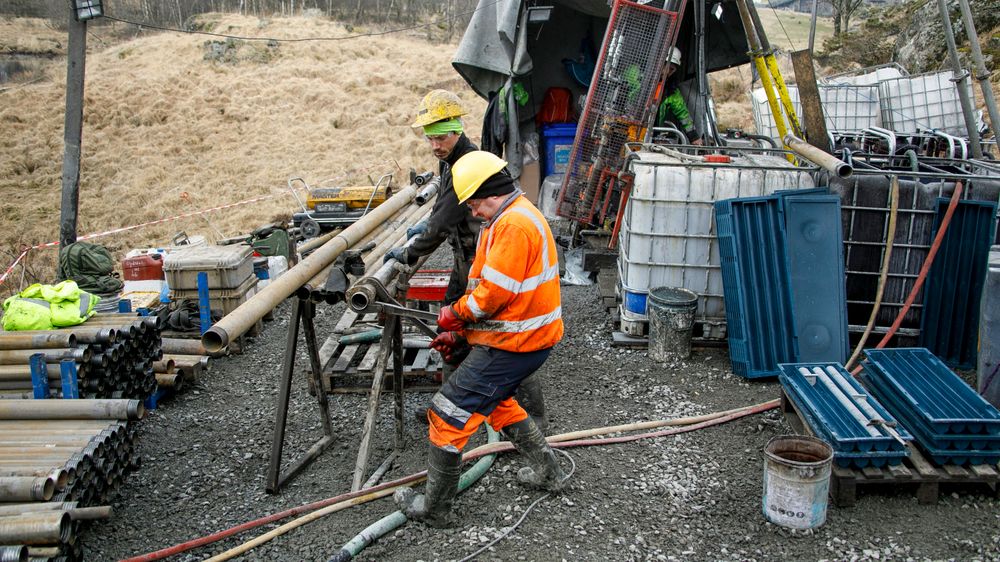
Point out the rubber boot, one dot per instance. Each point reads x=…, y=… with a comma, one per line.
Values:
x=421, y=413
x=434, y=507
x=543, y=470
x=529, y=396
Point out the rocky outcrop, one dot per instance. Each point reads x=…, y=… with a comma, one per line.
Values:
x=920, y=45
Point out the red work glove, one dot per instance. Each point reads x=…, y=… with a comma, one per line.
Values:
x=445, y=342
x=452, y=347
x=448, y=320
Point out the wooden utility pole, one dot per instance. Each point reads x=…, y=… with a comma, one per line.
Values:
x=75, y=63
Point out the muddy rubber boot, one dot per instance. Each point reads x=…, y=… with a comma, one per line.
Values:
x=434, y=507
x=421, y=413
x=529, y=396
x=543, y=470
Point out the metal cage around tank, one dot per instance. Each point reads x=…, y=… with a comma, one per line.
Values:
x=621, y=99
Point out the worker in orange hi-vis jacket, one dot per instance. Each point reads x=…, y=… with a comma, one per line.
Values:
x=511, y=315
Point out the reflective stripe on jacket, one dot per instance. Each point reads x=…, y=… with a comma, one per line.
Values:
x=513, y=300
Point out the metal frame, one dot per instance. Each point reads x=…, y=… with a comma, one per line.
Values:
x=303, y=312
x=900, y=279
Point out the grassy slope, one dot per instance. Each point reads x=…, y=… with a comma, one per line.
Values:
x=168, y=132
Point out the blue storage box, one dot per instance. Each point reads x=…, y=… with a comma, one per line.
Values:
x=557, y=143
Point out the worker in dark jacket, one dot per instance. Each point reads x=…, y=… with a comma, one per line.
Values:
x=440, y=115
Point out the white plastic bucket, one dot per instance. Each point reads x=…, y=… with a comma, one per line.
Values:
x=797, y=481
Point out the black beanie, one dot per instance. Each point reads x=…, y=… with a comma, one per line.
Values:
x=498, y=184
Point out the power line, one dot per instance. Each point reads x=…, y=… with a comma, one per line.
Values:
x=302, y=39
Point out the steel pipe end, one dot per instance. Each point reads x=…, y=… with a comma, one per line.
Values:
x=215, y=339
x=42, y=489
x=360, y=298
x=844, y=170
x=70, y=475
x=71, y=340
x=18, y=553
x=66, y=528
x=135, y=410
x=61, y=478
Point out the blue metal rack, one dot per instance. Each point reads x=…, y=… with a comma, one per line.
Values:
x=837, y=409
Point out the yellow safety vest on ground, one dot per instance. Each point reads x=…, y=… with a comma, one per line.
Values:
x=41, y=307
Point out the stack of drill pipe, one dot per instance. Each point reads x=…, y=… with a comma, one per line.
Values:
x=57, y=459
x=39, y=523
x=129, y=372
x=237, y=322
x=187, y=366
x=113, y=354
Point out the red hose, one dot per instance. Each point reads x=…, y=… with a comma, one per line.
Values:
x=506, y=446
x=924, y=269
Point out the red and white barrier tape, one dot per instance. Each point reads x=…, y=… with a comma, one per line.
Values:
x=7, y=273
x=13, y=265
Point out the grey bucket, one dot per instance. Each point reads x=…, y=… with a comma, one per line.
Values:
x=671, y=320
x=796, y=481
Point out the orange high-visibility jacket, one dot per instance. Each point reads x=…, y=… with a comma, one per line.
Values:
x=512, y=302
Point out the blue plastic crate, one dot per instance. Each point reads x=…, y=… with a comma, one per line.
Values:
x=949, y=323
x=814, y=250
x=818, y=404
x=755, y=283
x=557, y=145
x=938, y=397
x=948, y=449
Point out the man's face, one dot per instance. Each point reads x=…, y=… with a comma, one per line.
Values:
x=487, y=207
x=671, y=69
x=442, y=145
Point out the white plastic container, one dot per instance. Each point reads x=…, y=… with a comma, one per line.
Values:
x=924, y=102
x=548, y=197
x=846, y=108
x=668, y=234
x=227, y=266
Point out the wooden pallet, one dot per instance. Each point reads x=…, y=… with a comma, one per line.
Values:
x=915, y=472
x=351, y=366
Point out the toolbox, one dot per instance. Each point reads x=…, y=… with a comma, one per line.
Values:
x=227, y=266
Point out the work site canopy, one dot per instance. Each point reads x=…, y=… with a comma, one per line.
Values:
x=504, y=43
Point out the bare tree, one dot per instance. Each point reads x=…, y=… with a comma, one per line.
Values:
x=843, y=10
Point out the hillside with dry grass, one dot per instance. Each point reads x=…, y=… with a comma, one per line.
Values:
x=175, y=123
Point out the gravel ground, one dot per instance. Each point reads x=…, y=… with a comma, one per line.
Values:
x=695, y=496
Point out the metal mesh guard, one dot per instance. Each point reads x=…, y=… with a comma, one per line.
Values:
x=620, y=99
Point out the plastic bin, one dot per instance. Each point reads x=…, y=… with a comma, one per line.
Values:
x=227, y=266
x=557, y=143
x=145, y=267
x=668, y=235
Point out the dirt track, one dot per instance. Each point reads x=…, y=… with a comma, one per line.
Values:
x=695, y=496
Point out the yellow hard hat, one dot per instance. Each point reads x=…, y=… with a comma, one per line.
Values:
x=471, y=170
x=438, y=105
